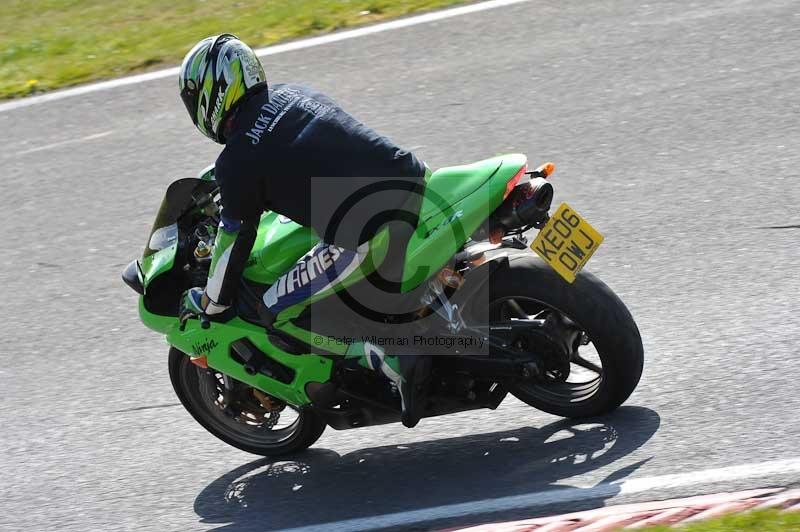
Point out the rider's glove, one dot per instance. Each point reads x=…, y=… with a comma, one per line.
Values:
x=193, y=305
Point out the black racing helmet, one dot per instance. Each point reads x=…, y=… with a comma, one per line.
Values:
x=214, y=77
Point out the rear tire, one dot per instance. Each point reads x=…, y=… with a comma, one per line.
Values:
x=597, y=310
x=186, y=381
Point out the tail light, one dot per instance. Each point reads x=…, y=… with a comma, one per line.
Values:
x=523, y=205
x=514, y=180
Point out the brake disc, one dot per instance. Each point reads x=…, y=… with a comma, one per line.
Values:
x=242, y=403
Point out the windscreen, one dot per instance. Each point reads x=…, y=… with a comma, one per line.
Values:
x=178, y=200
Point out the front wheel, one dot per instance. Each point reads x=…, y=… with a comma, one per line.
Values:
x=601, y=364
x=238, y=414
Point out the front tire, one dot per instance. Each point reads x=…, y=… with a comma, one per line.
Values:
x=194, y=386
x=594, y=309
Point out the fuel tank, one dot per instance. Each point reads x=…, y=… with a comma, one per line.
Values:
x=279, y=244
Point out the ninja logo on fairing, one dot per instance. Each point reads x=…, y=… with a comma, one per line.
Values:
x=205, y=347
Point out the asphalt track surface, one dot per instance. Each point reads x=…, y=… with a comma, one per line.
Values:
x=675, y=129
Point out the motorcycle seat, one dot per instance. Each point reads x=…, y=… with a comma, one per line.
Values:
x=446, y=186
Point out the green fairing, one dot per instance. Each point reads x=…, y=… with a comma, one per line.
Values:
x=215, y=341
x=278, y=246
x=456, y=201
x=447, y=186
x=159, y=262
x=156, y=322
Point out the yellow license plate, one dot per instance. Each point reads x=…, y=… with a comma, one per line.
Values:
x=567, y=242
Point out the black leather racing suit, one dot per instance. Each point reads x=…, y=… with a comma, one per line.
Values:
x=284, y=141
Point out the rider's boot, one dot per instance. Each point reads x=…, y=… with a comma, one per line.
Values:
x=415, y=370
x=408, y=372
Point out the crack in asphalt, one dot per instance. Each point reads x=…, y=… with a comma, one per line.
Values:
x=794, y=226
x=150, y=407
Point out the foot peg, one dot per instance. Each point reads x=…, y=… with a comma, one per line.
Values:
x=255, y=361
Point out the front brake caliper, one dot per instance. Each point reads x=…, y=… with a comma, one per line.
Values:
x=270, y=404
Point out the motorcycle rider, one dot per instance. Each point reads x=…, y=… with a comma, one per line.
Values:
x=276, y=139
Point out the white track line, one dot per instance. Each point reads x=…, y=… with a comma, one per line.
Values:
x=560, y=496
x=270, y=50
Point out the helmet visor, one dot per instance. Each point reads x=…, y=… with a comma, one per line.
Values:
x=189, y=97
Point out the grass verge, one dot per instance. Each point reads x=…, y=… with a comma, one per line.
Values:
x=49, y=44
x=756, y=521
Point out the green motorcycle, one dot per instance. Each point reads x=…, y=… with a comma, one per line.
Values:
x=507, y=316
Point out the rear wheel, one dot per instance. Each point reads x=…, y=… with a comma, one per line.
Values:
x=240, y=415
x=600, y=362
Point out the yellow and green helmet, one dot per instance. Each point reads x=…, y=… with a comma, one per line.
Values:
x=214, y=77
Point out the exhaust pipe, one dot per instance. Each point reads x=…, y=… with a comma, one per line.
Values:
x=527, y=205
x=530, y=203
